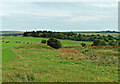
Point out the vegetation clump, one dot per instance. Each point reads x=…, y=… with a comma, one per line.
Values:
x=83, y=44
x=54, y=43
x=43, y=41
x=118, y=43
x=102, y=40
x=99, y=42
x=112, y=43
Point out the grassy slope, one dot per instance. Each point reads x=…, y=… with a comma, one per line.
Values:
x=39, y=62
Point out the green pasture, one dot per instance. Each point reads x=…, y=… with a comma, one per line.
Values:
x=36, y=62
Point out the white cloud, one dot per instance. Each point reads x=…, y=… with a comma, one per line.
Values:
x=33, y=9
x=103, y=5
x=3, y=13
x=59, y=0
x=28, y=15
x=45, y=13
x=86, y=18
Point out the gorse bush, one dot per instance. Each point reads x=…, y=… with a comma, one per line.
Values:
x=99, y=42
x=43, y=41
x=112, y=43
x=83, y=44
x=54, y=43
x=118, y=43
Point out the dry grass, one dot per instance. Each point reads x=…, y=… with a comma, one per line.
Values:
x=114, y=52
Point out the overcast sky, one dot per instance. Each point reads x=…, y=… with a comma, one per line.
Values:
x=59, y=16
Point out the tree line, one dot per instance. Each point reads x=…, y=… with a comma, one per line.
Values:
x=96, y=39
x=10, y=34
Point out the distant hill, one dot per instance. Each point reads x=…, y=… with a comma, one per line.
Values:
x=96, y=31
x=108, y=31
x=11, y=32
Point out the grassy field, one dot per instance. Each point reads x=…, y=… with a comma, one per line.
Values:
x=36, y=62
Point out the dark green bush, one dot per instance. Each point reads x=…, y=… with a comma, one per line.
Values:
x=43, y=41
x=83, y=44
x=118, y=42
x=54, y=43
x=112, y=43
x=99, y=42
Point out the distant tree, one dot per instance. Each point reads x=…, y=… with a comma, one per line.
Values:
x=73, y=36
x=54, y=43
x=79, y=35
x=44, y=31
x=44, y=35
x=29, y=34
x=25, y=34
x=110, y=37
x=65, y=37
x=83, y=44
x=106, y=39
x=40, y=34
x=98, y=34
x=43, y=41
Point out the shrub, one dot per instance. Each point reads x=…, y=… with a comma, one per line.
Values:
x=99, y=42
x=118, y=43
x=112, y=43
x=83, y=44
x=54, y=43
x=43, y=41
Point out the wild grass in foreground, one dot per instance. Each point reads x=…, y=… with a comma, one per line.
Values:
x=36, y=62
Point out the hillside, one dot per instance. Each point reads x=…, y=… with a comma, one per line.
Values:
x=11, y=32
x=37, y=62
